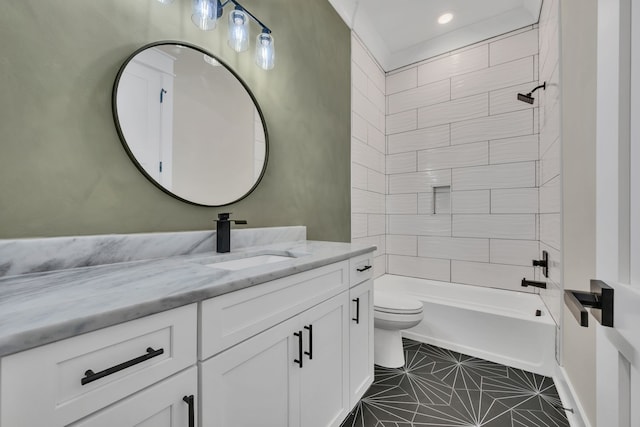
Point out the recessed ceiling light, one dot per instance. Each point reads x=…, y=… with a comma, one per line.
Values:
x=445, y=18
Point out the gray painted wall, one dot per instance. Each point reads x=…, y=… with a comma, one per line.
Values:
x=62, y=167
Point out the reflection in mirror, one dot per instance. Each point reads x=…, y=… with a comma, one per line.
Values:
x=190, y=124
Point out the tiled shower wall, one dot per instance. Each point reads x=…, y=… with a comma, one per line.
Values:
x=550, y=151
x=368, y=153
x=453, y=122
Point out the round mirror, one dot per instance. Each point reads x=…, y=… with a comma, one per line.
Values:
x=190, y=124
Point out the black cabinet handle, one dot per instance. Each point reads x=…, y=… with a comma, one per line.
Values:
x=91, y=376
x=365, y=268
x=310, y=352
x=192, y=413
x=357, y=318
x=299, y=359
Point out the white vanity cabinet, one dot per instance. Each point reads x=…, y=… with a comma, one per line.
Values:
x=170, y=403
x=292, y=352
x=292, y=370
x=361, y=367
x=293, y=374
x=58, y=384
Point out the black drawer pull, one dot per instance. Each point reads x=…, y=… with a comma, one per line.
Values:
x=192, y=412
x=357, y=318
x=310, y=352
x=365, y=268
x=299, y=359
x=91, y=376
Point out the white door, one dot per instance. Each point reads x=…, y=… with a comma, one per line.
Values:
x=139, y=111
x=145, y=111
x=324, y=377
x=166, y=404
x=254, y=383
x=618, y=211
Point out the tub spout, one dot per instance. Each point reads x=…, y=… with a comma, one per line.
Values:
x=526, y=283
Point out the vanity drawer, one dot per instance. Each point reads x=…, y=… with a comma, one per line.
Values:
x=123, y=359
x=231, y=318
x=360, y=268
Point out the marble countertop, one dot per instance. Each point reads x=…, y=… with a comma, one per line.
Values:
x=40, y=308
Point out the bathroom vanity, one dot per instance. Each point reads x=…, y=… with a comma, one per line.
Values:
x=223, y=341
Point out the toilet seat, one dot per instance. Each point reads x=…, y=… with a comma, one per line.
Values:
x=393, y=304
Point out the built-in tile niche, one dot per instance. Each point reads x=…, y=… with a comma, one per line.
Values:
x=442, y=199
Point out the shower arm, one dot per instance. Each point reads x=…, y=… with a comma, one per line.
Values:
x=542, y=86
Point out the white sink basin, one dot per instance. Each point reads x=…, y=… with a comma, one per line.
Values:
x=253, y=261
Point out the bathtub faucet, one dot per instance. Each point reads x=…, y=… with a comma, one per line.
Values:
x=526, y=283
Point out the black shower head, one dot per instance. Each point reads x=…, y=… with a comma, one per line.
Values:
x=528, y=98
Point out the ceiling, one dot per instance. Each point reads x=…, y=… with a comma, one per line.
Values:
x=402, y=32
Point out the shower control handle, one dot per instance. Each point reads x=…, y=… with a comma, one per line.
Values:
x=544, y=263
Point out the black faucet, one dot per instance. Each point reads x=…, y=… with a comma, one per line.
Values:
x=223, y=232
x=526, y=283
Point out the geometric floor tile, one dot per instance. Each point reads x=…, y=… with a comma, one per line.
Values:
x=442, y=388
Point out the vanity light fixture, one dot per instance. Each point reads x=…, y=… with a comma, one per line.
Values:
x=445, y=18
x=205, y=14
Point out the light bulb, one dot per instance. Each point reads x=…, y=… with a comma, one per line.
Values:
x=204, y=14
x=265, y=54
x=238, y=38
x=165, y=2
x=445, y=18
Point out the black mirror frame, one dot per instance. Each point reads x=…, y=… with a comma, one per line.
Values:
x=114, y=110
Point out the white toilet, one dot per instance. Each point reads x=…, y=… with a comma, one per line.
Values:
x=391, y=314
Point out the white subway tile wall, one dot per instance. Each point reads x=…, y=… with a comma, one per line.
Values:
x=455, y=121
x=368, y=150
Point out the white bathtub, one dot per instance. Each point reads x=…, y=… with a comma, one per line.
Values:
x=492, y=324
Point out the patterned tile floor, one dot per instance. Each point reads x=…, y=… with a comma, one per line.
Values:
x=439, y=388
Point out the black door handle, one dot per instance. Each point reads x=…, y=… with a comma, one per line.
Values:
x=91, y=376
x=357, y=318
x=600, y=299
x=299, y=359
x=192, y=413
x=365, y=268
x=310, y=352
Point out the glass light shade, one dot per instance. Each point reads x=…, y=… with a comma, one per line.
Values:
x=238, y=30
x=204, y=14
x=165, y=1
x=265, y=54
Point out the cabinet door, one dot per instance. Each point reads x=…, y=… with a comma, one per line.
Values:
x=53, y=377
x=254, y=383
x=324, y=378
x=361, y=340
x=161, y=405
